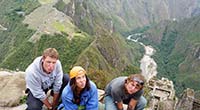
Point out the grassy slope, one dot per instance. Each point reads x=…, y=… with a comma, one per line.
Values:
x=16, y=32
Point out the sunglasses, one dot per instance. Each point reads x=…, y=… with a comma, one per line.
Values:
x=138, y=80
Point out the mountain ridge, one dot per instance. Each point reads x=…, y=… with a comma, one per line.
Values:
x=96, y=42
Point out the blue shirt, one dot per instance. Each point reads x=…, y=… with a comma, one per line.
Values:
x=88, y=99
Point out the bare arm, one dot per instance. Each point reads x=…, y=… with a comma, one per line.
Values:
x=119, y=105
x=132, y=104
x=47, y=104
x=55, y=99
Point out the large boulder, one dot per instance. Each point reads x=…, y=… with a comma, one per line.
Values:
x=12, y=88
x=186, y=101
x=13, y=91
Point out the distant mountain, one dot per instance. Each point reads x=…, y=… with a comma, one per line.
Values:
x=29, y=32
x=126, y=15
x=175, y=37
x=86, y=32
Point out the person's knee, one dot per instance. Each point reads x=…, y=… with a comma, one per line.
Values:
x=33, y=103
x=109, y=103
x=34, y=106
x=142, y=102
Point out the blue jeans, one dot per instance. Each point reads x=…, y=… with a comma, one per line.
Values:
x=110, y=105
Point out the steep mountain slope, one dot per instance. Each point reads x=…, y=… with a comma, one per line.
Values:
x=121, y=16
x=178, y=45
x=86, y=33
x=108, y=56
x=15, y=33
x=21, y=42
x=103, y=54
x=189, y=46
x=126, y=15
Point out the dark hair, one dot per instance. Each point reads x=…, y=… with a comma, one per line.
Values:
x=136, y=77
x=74, y=87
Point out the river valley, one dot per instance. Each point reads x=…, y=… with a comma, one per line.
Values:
x=147, y=63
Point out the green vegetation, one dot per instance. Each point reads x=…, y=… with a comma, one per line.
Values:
x=131, y=70
x=60, y=5
x=18, y=53
x=19, y=58
x=45, y=1
x=100, y=77
x=106, y=55
x=74, y=47
x=23, y=100
x=106, y=61
x=60, y=27
x=137, y=30
x=11, y=16
x=177, y=52
x=167, y=58
x=162, y=56
x=69, y=50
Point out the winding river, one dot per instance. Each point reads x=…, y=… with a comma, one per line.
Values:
x=147, y=63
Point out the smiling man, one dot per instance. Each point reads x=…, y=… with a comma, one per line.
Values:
x=44, y=74
x=125, y=90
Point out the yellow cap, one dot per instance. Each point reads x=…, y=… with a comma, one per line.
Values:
x=75, y=71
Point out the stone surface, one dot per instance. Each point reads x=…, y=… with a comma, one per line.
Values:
x=162, y=94
x=12, y=88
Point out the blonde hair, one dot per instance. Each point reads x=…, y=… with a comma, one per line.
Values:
x=51, y=52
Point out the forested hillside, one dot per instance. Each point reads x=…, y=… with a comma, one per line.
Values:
x=178, y=56
x=92, y=33
x=17, y=51
x=29, y=32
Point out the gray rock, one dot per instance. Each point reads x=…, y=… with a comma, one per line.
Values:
x=12, y=88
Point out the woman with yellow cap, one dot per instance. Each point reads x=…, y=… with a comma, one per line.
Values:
x=80, y=93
